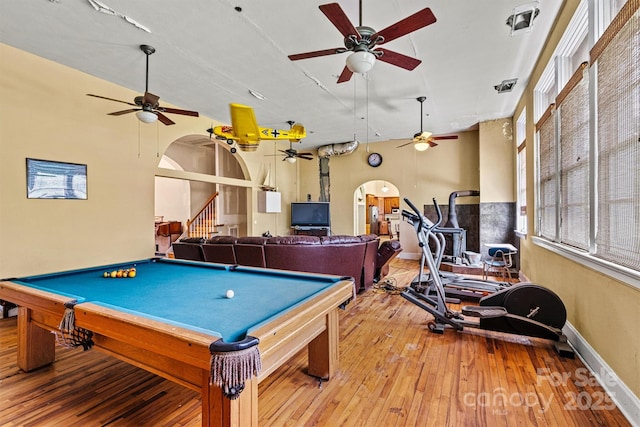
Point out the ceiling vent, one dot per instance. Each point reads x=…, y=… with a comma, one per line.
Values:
x=506, y=85
x=521, y=20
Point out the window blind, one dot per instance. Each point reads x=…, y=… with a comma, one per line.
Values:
x=547, y=175
x=573, y=111
x=617, y=55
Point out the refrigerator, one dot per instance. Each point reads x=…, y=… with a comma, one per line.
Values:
x=373, y=220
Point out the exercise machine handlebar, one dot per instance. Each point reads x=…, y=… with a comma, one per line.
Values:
x=419, y=219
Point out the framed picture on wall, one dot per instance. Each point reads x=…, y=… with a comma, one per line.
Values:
x=48, y=179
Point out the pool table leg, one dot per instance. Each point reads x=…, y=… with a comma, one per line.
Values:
x=217, y=410
x=324, y=351
x=36, y=346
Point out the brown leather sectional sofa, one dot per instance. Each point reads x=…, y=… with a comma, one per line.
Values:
x=361, y=257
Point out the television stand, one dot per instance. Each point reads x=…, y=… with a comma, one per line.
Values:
x=311, y=231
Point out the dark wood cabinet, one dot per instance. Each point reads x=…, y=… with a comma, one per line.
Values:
x=391, y=203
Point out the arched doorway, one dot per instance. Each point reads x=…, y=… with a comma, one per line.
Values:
x=180, y=197
x=376, y=209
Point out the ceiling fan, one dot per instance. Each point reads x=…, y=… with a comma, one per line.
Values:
x=149, y=110
x=362, y=40
x=291, y=154
x=423, y=140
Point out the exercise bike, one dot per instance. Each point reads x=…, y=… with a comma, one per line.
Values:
x=525, y=309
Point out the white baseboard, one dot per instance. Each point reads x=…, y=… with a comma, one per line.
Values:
x=622, y=396
x=410, y=255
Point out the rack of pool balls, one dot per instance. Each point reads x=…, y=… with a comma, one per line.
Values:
x=129, y=272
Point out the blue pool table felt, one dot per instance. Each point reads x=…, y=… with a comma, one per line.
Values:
x=188, y=295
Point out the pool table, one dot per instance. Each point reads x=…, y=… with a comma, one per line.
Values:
x=168, y=318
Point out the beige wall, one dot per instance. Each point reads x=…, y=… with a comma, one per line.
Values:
x=497, y=161
x=419, y=176
x=605, y=311
x=45, y=114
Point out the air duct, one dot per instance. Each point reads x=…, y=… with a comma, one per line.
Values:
x=337, y=149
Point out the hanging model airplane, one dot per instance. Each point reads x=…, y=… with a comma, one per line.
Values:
x=245, y=131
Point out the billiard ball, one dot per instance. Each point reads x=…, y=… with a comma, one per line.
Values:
x=230, y=293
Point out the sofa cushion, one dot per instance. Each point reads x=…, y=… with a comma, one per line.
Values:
x=252, y=240
x=228, y=240
x=250, y=251
x=216, y=250
x=190, y=251
x=192, y=240
x=369, y=237
x=339, y=239
x=294, y=240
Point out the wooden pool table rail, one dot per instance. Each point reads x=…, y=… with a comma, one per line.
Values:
x=179, y=354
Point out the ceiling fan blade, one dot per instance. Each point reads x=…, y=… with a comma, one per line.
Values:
x=407, y=25
x=339, y=19
x=306, y=158
x=410, y=142
x=398, y=59
x=150, y=98
x=345, y=76
x=164, y=119
x=177, y=111
x=436, y=138
x=432, y=144
x=119, y=113
x=316, y=53
x=111, y=99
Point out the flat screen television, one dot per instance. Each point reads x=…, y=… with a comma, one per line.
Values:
x=310, y=214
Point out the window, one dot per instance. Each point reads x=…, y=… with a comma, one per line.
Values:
x=547, y=174
x=616, y=56
x=573, y=130
x=521, y=161
x=587, y=180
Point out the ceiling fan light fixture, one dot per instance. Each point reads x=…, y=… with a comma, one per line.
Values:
x=146, y=116
x=290, y=159
x=421, y=146
x=361, y=61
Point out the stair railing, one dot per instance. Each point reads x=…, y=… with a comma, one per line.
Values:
x=204, y=223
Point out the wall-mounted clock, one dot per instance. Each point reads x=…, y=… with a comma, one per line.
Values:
x=374, y=160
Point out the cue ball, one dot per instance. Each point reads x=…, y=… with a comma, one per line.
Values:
x=230, y=293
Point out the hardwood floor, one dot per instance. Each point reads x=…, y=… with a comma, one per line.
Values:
x=393, y=372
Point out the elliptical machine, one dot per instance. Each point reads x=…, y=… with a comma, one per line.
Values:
x=456, y=286
x=526, y=309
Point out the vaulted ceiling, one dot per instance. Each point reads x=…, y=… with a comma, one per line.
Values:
x=210, y=53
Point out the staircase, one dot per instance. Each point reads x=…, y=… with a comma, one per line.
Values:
x=204, y=223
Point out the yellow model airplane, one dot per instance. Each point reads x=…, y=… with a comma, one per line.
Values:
x=245, y=130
